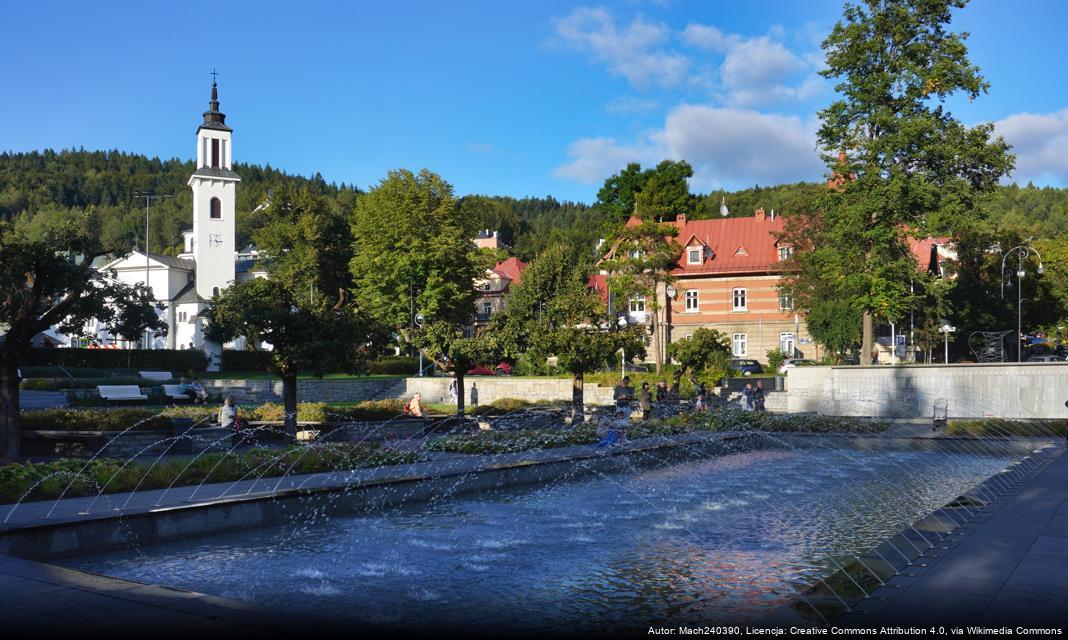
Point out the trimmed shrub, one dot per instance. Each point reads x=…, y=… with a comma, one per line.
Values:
x=244, y=360
x=367, y=411
x=513, y=441
x=135, y=359
x=1000, y=427
x=108, y=474
x=394, y=366
x=117, y=419
x=271, y=412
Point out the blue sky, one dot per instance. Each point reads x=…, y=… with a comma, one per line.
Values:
x=505, y=97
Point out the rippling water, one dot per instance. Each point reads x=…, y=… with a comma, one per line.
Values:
x=727, y=537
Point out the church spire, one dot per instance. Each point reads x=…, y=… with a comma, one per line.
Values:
x=213, y=118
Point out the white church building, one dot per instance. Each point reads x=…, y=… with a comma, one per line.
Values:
x=210, y=262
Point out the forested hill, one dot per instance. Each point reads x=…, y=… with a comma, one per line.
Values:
x=31, y=182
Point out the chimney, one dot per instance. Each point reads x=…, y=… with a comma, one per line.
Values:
x=773, y=215
x=680, y=220
x=760, y=214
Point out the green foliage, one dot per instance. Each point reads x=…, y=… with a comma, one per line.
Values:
x=834, y=324
x=493, y=442
x=393, y=366
x=105, y=180
x=697, y=353
x=111, y=476
x=128, y=359
x=1000, y=427
x=775, y=358
x=658, y=193
x=117, y=419
x=233, y=360
x=900, y=163
x=413, y=252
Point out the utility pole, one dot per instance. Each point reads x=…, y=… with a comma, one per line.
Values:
x=148, y=198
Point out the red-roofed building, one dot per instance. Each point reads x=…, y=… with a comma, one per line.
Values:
x=495, y=286
x=727, y=279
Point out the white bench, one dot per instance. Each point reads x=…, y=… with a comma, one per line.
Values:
x=174, y=392
x=155, y=375
x=121, y=392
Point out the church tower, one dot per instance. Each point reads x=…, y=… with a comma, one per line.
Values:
x=214, y=185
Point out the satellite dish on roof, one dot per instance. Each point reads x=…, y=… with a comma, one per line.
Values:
x=723, y=210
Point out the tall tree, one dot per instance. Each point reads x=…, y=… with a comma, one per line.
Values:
x=303, y=315
x=900, y=162
x=640, y=263
x=46, y=279
x=413, y=255
x=698, y=352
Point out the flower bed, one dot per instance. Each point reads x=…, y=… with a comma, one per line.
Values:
x=108, y=474
x=513, y=441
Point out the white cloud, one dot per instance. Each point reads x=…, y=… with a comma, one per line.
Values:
x=594, y=159
x=1039, y=141
x=631, y=51
x=757, y=70
x=708, y=38
x=726, y=146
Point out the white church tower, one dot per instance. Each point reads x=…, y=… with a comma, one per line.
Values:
x=214, y=185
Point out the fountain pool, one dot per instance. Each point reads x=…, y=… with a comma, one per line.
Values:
x=723, y=538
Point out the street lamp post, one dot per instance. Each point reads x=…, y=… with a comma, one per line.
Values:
x=947, y=329
x=1021, y=252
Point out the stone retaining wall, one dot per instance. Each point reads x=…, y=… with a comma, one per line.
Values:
x=495, y=388
x=1013, y=391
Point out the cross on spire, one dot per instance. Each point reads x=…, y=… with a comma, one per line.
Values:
x=214, y=73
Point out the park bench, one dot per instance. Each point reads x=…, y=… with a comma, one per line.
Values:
x=113, y=393
x=174, y=392
x=155, y=375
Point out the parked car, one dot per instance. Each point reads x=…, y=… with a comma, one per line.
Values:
x=481, y=371
x=790, y=363
x=746, y=366
x=1045, y=359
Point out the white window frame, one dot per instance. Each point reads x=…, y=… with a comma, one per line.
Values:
x=739, y=293
x=487, y=308
x=786, y=302
x=785, y=253
x=693, y=300
x=740, y=344
x=693, y=252
x=791, y=337
x=637, y=304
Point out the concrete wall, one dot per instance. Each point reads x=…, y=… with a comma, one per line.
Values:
x=495, y=388
x=1021, y=391
x=307, y=390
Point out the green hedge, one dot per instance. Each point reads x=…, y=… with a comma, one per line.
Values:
x=998, y=427
x=95, y=420
x=54, y=384
x=110, y=475
x=244, y=360
x=137, y=359
x=394, y=366
x=513, y=441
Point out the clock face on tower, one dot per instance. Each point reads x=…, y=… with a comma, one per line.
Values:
x=215, y=240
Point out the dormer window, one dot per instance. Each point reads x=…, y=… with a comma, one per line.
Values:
x=785, y=253
x=695, y=255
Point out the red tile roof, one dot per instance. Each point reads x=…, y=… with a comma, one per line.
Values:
x=738, y=245
x=512, y=268
x=599, y=283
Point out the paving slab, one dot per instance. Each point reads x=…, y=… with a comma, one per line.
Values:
x=1008, y=569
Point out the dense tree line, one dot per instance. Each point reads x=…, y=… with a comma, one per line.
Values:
x=107, y=180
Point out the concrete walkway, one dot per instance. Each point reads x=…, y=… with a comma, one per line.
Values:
x=42, y=399
x=1007, y=568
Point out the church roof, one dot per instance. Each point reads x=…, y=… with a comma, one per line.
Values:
x=188, y=294
x=213, y=118
x=210, y=172
x=167, y=261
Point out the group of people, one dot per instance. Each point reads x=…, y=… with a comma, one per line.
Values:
x=753, y=396
x=625, y=397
